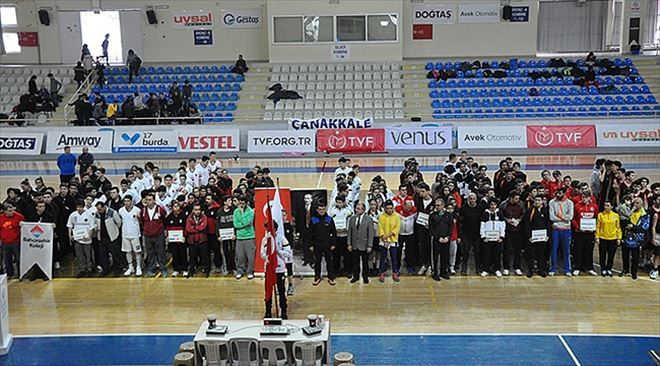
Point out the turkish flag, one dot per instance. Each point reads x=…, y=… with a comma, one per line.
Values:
x=261, y=218
x=422, y=31
x=563, y=136
x=351, y=140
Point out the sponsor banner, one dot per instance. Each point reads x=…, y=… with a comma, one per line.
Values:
x=190, y=140
x=281, y=141
x=323, y=122
x=566, y=136
x=144, y=141
x=36, y=248
x=476, y=137
x=434, y=14
x=203, y=37
x=422, y=31
x=351, y=140
x=340, y=52
x=192, y=19
x=243, y=18
x=519, y=14
x=21, y=143
x=97, y=140
x=422, y=138
x=479, y=13
x=628, y=135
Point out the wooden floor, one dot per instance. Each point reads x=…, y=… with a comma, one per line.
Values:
x=418, y=305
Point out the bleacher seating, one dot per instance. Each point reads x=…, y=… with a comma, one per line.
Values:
x=508, y=97
x=215, y=88
x=14, y=82
x=338, y=90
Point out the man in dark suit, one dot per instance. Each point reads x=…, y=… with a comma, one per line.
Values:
x=360, y=240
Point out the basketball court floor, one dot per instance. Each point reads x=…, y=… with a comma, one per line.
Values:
x=467, y=320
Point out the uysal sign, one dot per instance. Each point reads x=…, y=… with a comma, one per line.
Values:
x=479, y=13
x=492, y=137
x=351, y=140
x=207, y=140
x=240, y=18
x=281, y=141
x=192, y=19
x=434, y=14
x=421, y=138
x=98, y=140
x=628, y=135
x=131, y=141
x=345, y=122
x=21, y=143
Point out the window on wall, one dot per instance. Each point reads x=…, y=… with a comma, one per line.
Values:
x=318, y=28
x=8, y=16
x=288, y=29
x=10, y=43
x=351, y=28
x=382, y=27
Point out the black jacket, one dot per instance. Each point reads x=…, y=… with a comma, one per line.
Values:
x=540, y=221
x=440, y=224
x=324, y=233
x=470, y=221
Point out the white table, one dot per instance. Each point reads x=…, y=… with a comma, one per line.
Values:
x=252, y=329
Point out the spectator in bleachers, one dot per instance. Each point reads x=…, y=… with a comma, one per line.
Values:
x=177, y=99
x=139, y=103
x=241, y=66
x=112, y=112
x=153, y=105
x=133, y=61
x=590, y=78
x=32, y=85
x=128, y=111
x=591, y=59
x=79, y=73
x=104, y=47
x=162, y=101
x=87, y=59
x=55, y=87
x=98, y=112
x=100, y=73
x=83, y=110
x=187, y=98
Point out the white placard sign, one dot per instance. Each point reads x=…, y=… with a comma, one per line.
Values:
x=492, y=235
x=340, y=52
x=175, y=236
x=36, y=247
x=539, y=236
x=226, y=234
x=423, y=219
x=587, y=224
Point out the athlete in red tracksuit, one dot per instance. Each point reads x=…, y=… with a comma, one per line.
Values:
x=583, y=235
x=210, y=210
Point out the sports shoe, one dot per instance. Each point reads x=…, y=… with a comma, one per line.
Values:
x=593, y=273
x=331, y=282
x=568, y=274
x=218, y=270
x=505, y=272
x=445, y=276
x=138, y=272
x=429, y=271
x=354, y=280
x=99, y=269
x=149, y=274
x=290, y=291
x=250, y=276
x=129, y=271
x=317, y=281
x=603, y=273
x=551, y=273
x=163, y=273
x=654, y=274
x=634, y=276
x=239, y=276
x=576, y=272
x=530, y=273
x=185, y=273
x=498, y=273
x=621, y=274
x=175, y=273
x=421, y=271
x=381, y=278
x=365, y=280
x=452, y=271
x=436, y=277
x=395, y=277
x=483, y=274
x=518, y=272
x=57, y=265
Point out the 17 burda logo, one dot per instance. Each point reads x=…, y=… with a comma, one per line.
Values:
x=339, y=141
x=543, y=137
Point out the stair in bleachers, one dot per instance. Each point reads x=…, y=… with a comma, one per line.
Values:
x=649, y=69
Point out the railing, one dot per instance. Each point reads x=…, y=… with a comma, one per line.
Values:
x=83, y=88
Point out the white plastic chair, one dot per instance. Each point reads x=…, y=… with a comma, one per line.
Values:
x=216, y=353
x=273, y=353
x=308, y=353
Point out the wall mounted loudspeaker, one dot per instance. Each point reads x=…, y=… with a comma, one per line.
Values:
x=151, y=17
x=506, y=12
x=44, y=18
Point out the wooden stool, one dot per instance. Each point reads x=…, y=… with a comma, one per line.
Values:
x=184, y=359
x=187, y=347
x=343, y=358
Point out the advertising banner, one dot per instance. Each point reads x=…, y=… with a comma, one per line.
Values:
x=476, y=137
x=243, y=18
x=144, y=141
x=98, y=140
x=21, y=143
x=192, y=19
x=434, y=14
x=203, y=140
x=36, y=247
x=419, y=138
x=323, y=122
x=566, y=136
x=628, y=135
x=281, y=141
x=351, y=140
x=479, y=13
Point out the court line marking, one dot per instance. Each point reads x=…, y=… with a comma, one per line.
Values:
x=354, y=334
x=568, y=349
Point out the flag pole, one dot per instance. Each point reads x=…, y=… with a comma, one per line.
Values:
x=273, y=288
x=318, y=184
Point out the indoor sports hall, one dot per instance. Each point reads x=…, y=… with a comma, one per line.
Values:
x=330, y=182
